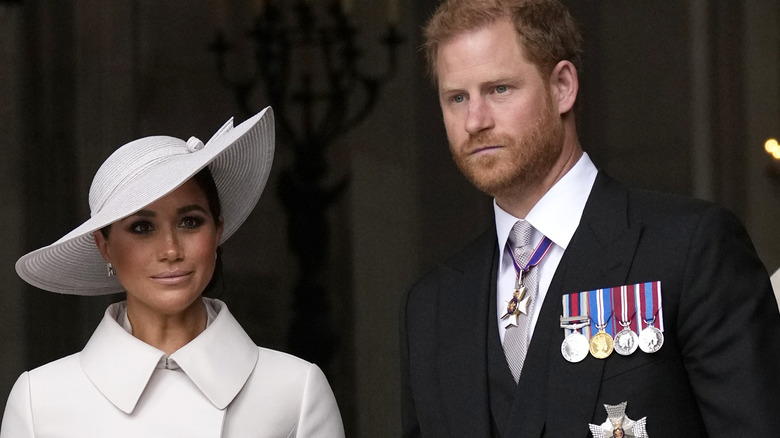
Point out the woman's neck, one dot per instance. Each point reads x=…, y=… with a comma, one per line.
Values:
x=167, y=332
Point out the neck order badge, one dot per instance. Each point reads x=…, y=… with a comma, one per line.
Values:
x=520, y=299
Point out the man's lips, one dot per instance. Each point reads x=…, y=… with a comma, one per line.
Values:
x=481, y=149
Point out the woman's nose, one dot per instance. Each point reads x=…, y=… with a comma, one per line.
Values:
x=171, y=249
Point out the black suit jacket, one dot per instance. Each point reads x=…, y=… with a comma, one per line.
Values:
x=717, y=374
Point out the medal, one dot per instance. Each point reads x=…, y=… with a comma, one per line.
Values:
x=651, y=338
x=618, y=425
x=521, y=300
x=574, y=347
x=636, y=307
x=626, y=339
x=601, y=344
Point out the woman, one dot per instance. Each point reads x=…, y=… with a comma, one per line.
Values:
x=167, y=361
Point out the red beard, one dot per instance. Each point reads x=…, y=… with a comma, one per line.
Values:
x=523, y=161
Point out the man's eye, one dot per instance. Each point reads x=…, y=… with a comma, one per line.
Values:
x=501, y=89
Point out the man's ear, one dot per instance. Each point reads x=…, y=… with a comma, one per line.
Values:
x=102, y=245
x=564, y=86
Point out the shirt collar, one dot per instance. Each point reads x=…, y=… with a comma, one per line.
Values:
x=219, y=361
x=558, y=212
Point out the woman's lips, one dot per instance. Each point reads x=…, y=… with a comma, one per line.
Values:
x=173, y=277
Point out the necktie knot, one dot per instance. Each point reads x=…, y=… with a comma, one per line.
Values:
x=521, y=234
x=520, y=241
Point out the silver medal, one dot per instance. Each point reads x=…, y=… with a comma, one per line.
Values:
x=575, y=347
x=651, y=339
x=626, y=341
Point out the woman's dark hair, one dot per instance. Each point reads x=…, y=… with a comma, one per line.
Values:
x=205, y=182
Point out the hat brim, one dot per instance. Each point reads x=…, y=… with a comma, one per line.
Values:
x=239, y=160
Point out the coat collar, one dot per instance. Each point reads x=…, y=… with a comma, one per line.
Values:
x=219, y=361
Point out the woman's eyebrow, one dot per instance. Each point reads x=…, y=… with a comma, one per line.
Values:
x=144, y=213
x=189, y=208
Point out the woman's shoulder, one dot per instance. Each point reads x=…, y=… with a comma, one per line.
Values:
x=287, y=387
x=274, y=360
x=55, y=380
x=56, y=368
x=282, y=370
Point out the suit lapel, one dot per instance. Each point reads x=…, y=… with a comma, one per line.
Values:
x=599, y=255
x=462, y=324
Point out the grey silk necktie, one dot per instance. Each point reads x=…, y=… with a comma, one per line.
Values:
x=516, y=338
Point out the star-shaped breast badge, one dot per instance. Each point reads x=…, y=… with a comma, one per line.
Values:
x=618, y=425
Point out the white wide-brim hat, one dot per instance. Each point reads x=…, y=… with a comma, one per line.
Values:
x=143, y=171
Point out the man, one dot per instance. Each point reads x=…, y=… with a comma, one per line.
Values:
x=482, y=336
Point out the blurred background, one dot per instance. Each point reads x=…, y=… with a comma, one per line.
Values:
x=364, y=198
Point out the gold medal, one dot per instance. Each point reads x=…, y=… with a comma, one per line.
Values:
x=601, y=344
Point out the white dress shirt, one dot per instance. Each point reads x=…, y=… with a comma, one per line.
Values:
x=221, y=385
x=556, y=215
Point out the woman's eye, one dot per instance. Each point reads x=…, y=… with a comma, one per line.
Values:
x=141, y=227
x=191, y=222
x=458, y=98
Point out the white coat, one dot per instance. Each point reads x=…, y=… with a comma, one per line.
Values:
x=218, y=385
